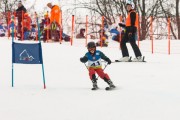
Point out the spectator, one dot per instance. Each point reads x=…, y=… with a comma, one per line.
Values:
x=81, y=34
x=2, y=31
x=26, y=26
x=45, y=26
x=55, y=21
x=20, y=10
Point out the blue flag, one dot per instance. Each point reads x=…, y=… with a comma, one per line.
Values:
x=27, y=53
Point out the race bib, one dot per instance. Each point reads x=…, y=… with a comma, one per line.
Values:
x=95, y=64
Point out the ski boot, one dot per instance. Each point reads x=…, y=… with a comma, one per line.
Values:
x=110, y=83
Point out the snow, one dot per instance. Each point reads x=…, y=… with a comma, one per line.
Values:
x=145, y=91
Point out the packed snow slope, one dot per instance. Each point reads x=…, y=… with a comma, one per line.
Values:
x=145, y=91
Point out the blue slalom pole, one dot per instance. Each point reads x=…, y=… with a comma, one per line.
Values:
x=44, y=82
x=12, y=53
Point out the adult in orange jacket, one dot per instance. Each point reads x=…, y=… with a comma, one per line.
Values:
x=55, y=13
x=131, y=29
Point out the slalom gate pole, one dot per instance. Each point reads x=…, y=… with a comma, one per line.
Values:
x=44, y=82
x=12, y=54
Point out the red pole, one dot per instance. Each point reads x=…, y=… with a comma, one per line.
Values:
x=36, y=26
x=86, y=29
x=138, y=32
x=15, y=31
x=60, y=29
x=72, y=32
x=120, y=30
x=22, y=37
x=169, y=24
x=102, y=30
x=8, y=24
x=151, y=36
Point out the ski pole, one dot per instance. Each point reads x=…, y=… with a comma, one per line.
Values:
x=86, y=66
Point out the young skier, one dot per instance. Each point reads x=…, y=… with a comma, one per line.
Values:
x=93, y=57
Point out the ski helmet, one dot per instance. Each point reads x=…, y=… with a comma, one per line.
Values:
x=91, y=45
x=130, y=2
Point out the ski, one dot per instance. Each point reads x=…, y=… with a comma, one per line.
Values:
x=124, y=61
x=94, y=88
x=109, y=88
x=130, y=60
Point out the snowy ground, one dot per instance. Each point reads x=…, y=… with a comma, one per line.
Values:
x=145, y=91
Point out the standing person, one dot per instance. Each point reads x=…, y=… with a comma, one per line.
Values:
x=20, y=10
x=130, y=28
x=55, y=13
x=93, y=57
x=55, y=21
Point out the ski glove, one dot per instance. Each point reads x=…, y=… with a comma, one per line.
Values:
x=122, y=25
x=108, y=61
x=83, y=59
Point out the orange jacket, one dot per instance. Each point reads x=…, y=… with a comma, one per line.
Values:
x=55, y=14
x=27, y=23
x=129, y=19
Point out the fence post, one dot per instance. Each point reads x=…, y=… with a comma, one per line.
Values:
x=8, y=19
x=151, y=32
x=86, y=29
x=22, y=31
x=102, y=30
x=169, y=24
x=60, y=28
x=138, y=32
x=72, y=32
x=120, y=31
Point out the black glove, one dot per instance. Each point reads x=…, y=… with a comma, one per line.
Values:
x=122, y=25
x=83, y=59
x=108, y=61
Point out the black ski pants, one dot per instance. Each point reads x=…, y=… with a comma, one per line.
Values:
x=129, y=37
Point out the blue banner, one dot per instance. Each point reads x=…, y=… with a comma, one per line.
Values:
x=27, y=53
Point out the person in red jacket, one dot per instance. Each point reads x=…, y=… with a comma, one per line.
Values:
x=131, y=29
x=26, y=25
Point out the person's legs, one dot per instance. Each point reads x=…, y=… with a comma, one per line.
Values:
x=93, y=77
x=135, y=48
x=124, y=49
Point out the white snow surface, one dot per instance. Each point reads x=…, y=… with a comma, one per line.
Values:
x=145, y=91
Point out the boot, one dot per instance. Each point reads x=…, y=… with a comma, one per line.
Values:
x=110, y=83
x=94, y=81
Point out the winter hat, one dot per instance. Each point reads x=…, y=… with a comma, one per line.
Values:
x=129, y=2
x=91, y=45
x=20, y=1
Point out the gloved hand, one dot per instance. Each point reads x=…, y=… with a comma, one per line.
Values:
x=122, y=25
x=108, y=61
x=83, y=59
